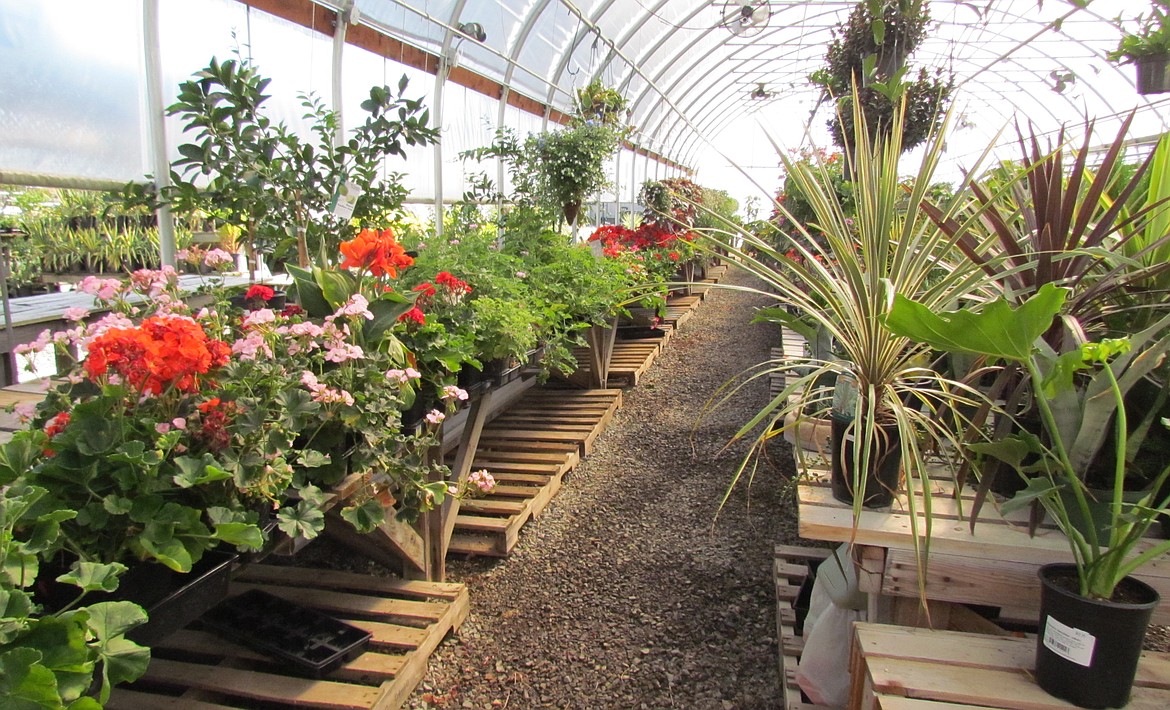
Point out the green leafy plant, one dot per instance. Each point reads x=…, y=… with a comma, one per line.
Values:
x=1072, y=416
x=1152, y=38
x=598, y=102
x=52, y=660
x=277, y=188
x=843, y=283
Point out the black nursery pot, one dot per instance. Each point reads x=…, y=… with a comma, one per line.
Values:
x=885, y=463
x=1087, y=650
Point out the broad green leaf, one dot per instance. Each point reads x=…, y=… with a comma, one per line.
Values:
x=18, y=455
x=123, y=661
x=61, y=642
x=26, y=684
x=1012, y=450
x=129, y=452
x=301, y=520
x=94, y=576
x=161, y=544
x=1037, y=489
x=240, y=535
x=296, y=409
x=111, y=619
x=197, y=471
x=365, y=517
x=336, y=286
x=997, y=330
x=386, y=313
x=309, y=293
x=47, y=530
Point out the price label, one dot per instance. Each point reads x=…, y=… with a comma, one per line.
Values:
x=1069, y=643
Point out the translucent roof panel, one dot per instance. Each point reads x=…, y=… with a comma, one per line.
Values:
x=71, y=89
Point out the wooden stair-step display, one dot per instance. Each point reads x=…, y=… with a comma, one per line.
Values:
x=528, y=449
x=680, y=309
x=199, y=670
x=792, y=567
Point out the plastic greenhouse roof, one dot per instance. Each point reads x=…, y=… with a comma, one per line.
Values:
x=692, y=69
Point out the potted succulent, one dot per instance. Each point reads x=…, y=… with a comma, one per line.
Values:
x=1148, y=49
x=1093, y=614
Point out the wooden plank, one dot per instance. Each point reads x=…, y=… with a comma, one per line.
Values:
x=301, y=692
x=351, y=581
x=894, y=702
x=129, y=699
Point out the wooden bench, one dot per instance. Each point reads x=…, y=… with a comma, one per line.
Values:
x=899, y=668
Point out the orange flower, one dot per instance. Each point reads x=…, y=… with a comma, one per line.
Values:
x=377, y=252
x=162, y=352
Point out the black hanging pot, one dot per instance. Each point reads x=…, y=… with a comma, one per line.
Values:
x=1087, y=650
x=1153, y=74
x=885, y=462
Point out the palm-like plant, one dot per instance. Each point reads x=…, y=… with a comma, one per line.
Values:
x=844, y=283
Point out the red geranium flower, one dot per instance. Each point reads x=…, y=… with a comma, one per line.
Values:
x=161, y=352
x=414, y=314
x=57, y=424
x=264, y=293
x=453, y=284
x=426, y=289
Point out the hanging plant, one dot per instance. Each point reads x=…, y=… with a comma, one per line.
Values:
x=927, y=99
x=598, y=102
x=886, y=30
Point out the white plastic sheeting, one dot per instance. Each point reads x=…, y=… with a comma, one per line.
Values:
x=71, y=75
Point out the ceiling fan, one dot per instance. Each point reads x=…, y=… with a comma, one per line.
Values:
x=760, y=92
x=746, y=19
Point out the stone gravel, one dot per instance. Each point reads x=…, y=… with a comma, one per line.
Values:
x=629, y=591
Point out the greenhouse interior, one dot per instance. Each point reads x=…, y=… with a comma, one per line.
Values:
x=585, y=354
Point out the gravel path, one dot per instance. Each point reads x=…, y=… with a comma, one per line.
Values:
x=628, y=592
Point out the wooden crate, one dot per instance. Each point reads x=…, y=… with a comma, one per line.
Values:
x=198, y=670
x=791, y=567
x=528, y=449
x=680, y=309
x=895, y=667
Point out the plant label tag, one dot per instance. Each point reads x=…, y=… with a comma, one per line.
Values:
x=346, y=200
x=1069, y=643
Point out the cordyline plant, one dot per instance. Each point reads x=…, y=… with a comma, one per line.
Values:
x=844, y=282
x=1065, y=225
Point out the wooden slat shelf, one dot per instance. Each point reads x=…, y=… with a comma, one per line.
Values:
x=898, y=668
x=197, y=670
x=528, y=449
x=791, y=567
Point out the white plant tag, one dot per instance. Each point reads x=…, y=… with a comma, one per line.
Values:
x=346, y=200
x=1069, y=643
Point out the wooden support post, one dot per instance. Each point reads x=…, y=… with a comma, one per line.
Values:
x=600, y=339
x=439, y=524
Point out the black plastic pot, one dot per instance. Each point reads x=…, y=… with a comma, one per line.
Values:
x=1087, y=650
x=278, y=301
x=1153, y=74
x=885, y=464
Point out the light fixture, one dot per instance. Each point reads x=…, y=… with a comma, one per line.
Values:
x=474, y=30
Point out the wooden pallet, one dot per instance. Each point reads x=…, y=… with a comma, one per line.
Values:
x=528, y=449
x=198, y=670
x=791, y=567
x=680, y=309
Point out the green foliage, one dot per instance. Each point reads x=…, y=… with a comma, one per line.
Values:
x=875, y=28
x=1073, y=414
x=277, y=188
x=925, y=102
x=1151, y=39
x=569, y=163
x=602, y=104
x=51, y=660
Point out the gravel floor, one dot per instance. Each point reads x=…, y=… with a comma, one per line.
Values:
x=628, y=592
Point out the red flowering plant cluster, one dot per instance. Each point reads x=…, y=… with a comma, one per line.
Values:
x=652, y=254
x=370, y=374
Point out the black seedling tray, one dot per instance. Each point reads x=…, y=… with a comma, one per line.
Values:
x=314, y=642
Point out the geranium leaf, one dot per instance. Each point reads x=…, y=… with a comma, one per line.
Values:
x=160, y=543
x=129, y=452
x=47, y=529
x=94, y=576
x=296, y=409
x=301, y=521
x=197, y=471
x=365, y=517
x=15, y=608
x=311, y=458
x=112, y=619
x=18, y=455
x=25, y=684
x=117, y=505
x=61, y=643
x=240, y=535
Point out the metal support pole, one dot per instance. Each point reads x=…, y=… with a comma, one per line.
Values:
x=156, y=128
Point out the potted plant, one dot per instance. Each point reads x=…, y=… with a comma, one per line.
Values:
x=601, y=103
x=1093, y=614
x=843, y=283
x=874, y=42
x=1148, y=49
x=570, y=163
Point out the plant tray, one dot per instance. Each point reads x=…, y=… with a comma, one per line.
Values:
x=312, y=641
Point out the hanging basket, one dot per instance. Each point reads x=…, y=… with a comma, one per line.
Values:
x=571, y=209
x=1153, y=74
